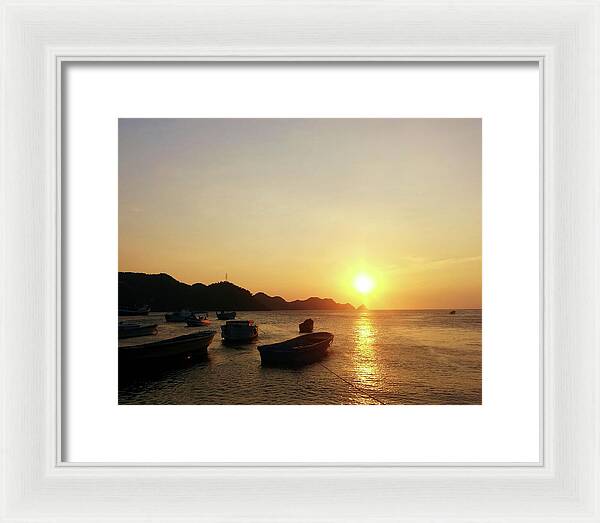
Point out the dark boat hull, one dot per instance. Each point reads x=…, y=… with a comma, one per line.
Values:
x=167, y=352
x=239, y=340
x=306, y=326
x=142, y=311
x=137, y=331
x=175, y=317
x=296, y=352
x=226, y=315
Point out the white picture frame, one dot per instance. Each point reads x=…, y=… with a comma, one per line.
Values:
x=39, y=37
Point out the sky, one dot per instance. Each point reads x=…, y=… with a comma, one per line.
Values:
x=304, y=207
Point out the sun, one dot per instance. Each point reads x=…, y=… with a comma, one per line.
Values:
x=363, y=283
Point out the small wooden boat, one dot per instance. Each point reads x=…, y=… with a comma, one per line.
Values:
x=134, y=311
x=239, y=331
x=130, y=329
x=296, y=352
x=226, y=315
x=180, y=349
x=198, y=320
x=452, y=312
x=179, y=316
x=306, y=325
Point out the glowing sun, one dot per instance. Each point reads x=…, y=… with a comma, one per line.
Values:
x=364, y=284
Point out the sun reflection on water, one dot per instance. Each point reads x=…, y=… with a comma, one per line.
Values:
x=366, y=369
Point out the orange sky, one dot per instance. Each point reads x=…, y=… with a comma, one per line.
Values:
x=299, y=207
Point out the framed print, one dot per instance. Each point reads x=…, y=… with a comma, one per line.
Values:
x=335, y=266
x=433, y=204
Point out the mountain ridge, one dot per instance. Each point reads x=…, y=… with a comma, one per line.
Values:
x=164, y=293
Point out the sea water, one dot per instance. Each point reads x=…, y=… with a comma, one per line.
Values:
x=377, y=357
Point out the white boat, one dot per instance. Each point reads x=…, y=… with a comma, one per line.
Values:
x=238, y=331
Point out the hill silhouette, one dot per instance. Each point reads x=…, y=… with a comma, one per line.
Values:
x=164, y=293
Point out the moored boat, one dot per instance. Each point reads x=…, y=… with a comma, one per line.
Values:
x=163, y=352
x=199, y=319
x=130, y=329
x=239, y=331
x=302, y=350
x=306, y=325
x=223, y=315
x=179, y=316
x=134, y=311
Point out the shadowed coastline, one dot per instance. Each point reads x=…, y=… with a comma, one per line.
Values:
x=162, y=292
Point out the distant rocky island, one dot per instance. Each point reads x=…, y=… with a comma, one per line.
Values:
x=164, y=293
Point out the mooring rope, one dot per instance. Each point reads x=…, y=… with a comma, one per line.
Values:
x=352, y=384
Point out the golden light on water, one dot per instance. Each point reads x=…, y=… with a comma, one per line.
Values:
x=365, y=366
x=365, y=335
x=364, y=283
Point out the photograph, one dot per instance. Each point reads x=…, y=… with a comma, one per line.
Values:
x=299, y=261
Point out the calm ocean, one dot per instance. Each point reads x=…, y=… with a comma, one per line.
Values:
x=377, y=357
